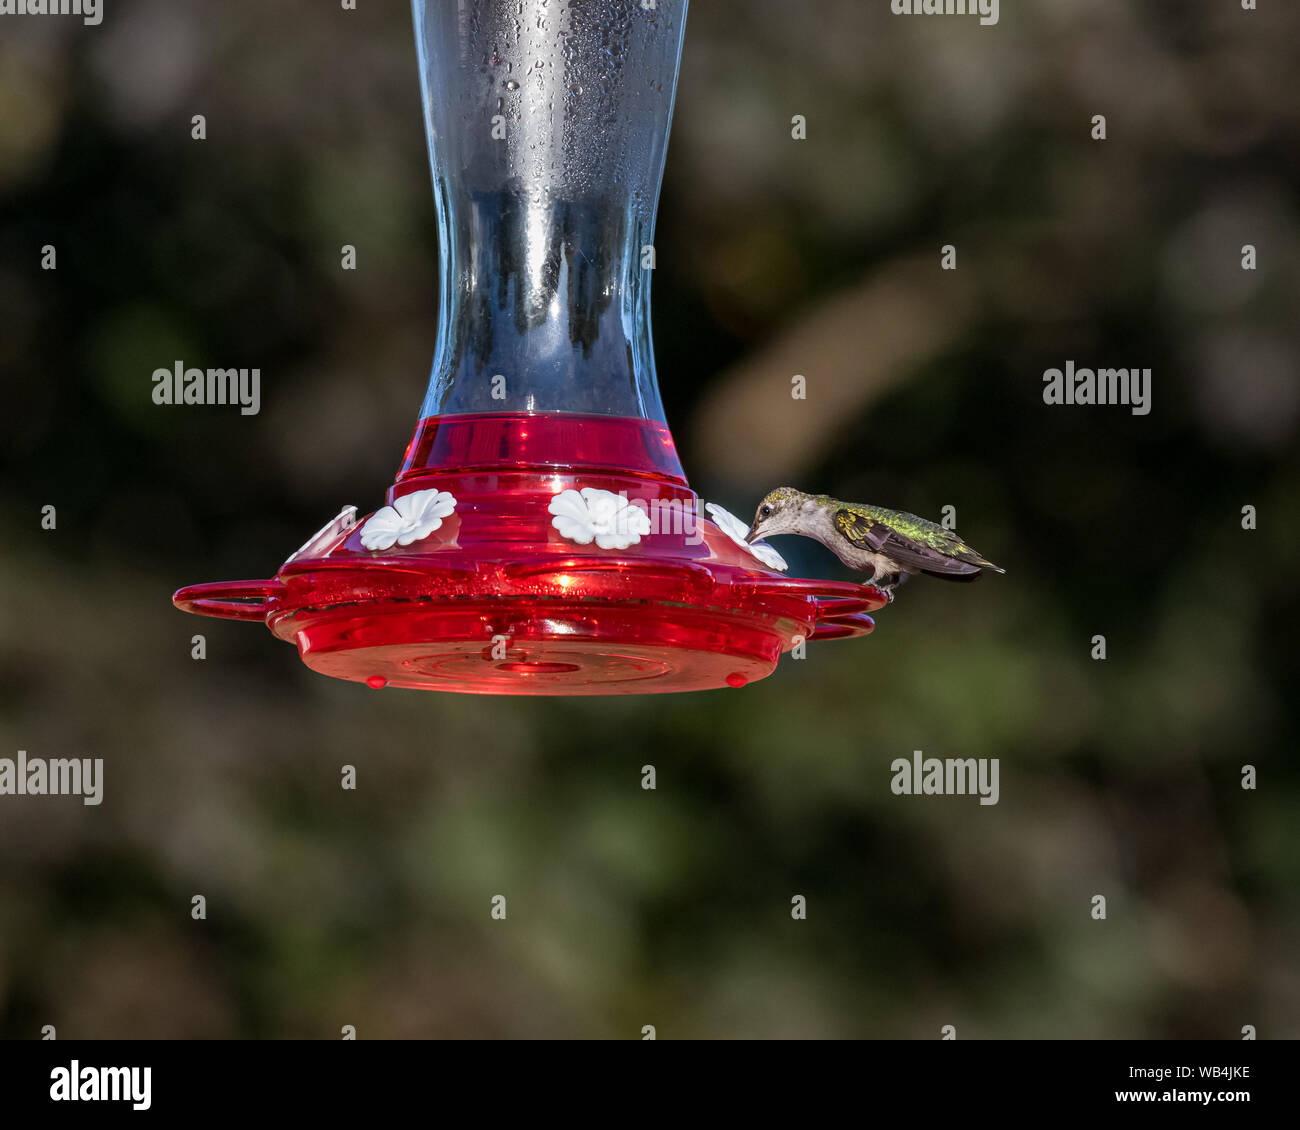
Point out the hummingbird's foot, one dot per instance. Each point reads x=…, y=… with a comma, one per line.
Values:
x=888, y=583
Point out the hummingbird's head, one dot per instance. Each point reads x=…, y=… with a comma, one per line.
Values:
x=782, y=511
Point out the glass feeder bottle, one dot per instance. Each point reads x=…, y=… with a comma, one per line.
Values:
x=547, y=126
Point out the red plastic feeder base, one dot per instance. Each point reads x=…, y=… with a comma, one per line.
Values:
x=497, y=600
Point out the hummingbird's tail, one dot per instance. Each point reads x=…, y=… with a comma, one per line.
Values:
x=965, y=569
x=963, y=577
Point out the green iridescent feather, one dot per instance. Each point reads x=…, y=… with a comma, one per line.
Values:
x=907, y=538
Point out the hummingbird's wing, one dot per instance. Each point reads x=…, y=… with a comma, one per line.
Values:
x=911, y=541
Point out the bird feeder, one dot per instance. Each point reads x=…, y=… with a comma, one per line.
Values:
x=541, y=536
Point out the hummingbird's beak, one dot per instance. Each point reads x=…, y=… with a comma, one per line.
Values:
x=752, y=536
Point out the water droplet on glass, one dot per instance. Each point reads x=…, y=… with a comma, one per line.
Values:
x=512, y=85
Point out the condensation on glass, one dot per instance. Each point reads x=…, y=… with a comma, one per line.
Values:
x=547, y=124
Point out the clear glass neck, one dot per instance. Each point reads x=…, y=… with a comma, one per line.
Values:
x=547, y=125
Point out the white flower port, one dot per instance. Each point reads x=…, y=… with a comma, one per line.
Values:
x=411, y=518
x=736, y=530
x=589, y=514
x=343, y=521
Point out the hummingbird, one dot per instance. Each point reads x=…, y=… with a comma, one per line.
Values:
x=892, y=544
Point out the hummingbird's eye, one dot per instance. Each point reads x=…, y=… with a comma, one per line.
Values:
x=765, y=510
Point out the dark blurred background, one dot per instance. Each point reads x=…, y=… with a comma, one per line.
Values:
x=775, y=257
